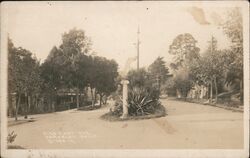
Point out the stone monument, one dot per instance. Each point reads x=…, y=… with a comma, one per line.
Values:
x=125, y=83
x=124, y=98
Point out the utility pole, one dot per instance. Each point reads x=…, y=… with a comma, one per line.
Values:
x=138, y=47
x=211, y=89
x=213, y=40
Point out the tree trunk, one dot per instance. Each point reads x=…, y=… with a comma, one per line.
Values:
x=216, y=90
x=105, y=101
x=101, y=100
x=77, y=98
x=36, y=104
x=95, y=96
x=211, y=91
x=85, y=96
x=52, y=104
x=92, y=97
x=26, y=105
x=207, y=88
x=13, y=101
x=241, y=91
x=17, y=106
x=29, y=104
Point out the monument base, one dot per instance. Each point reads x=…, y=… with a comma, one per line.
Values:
x=124, y=116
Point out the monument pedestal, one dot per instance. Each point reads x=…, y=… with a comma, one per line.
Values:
x=124, y=98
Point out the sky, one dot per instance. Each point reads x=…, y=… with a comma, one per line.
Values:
x=112, y=26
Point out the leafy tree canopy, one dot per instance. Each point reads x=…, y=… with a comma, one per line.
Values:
x=185, y=50
x=158, y=69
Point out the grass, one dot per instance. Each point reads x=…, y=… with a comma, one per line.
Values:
x=160, y=112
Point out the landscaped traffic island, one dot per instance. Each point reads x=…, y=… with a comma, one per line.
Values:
x=115, y=116
x=139, y=99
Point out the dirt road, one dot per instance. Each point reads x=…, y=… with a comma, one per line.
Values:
x=187, y=125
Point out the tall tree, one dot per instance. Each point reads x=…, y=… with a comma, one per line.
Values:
x=138, y=78
x=185, y=54
x=208, y=70
x=185, y=50
x=23, y=76
x=52, y=71
x=233, y=28
x=159, y=71
x=75, y=44
x=107, y=72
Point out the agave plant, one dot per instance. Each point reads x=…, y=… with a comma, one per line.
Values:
x=141, y=102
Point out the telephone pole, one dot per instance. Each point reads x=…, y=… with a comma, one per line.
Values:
x=211, y=51
x=212, y=42
x=138, y=47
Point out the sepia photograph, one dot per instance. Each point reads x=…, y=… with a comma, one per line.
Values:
x=125, y=79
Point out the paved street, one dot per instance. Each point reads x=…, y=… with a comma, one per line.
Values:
x=187, y=125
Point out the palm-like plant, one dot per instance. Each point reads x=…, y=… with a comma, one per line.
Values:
x=141, y=102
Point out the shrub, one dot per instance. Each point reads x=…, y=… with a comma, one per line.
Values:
x=142, y=101
x=116, y=109
x=11, y=137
